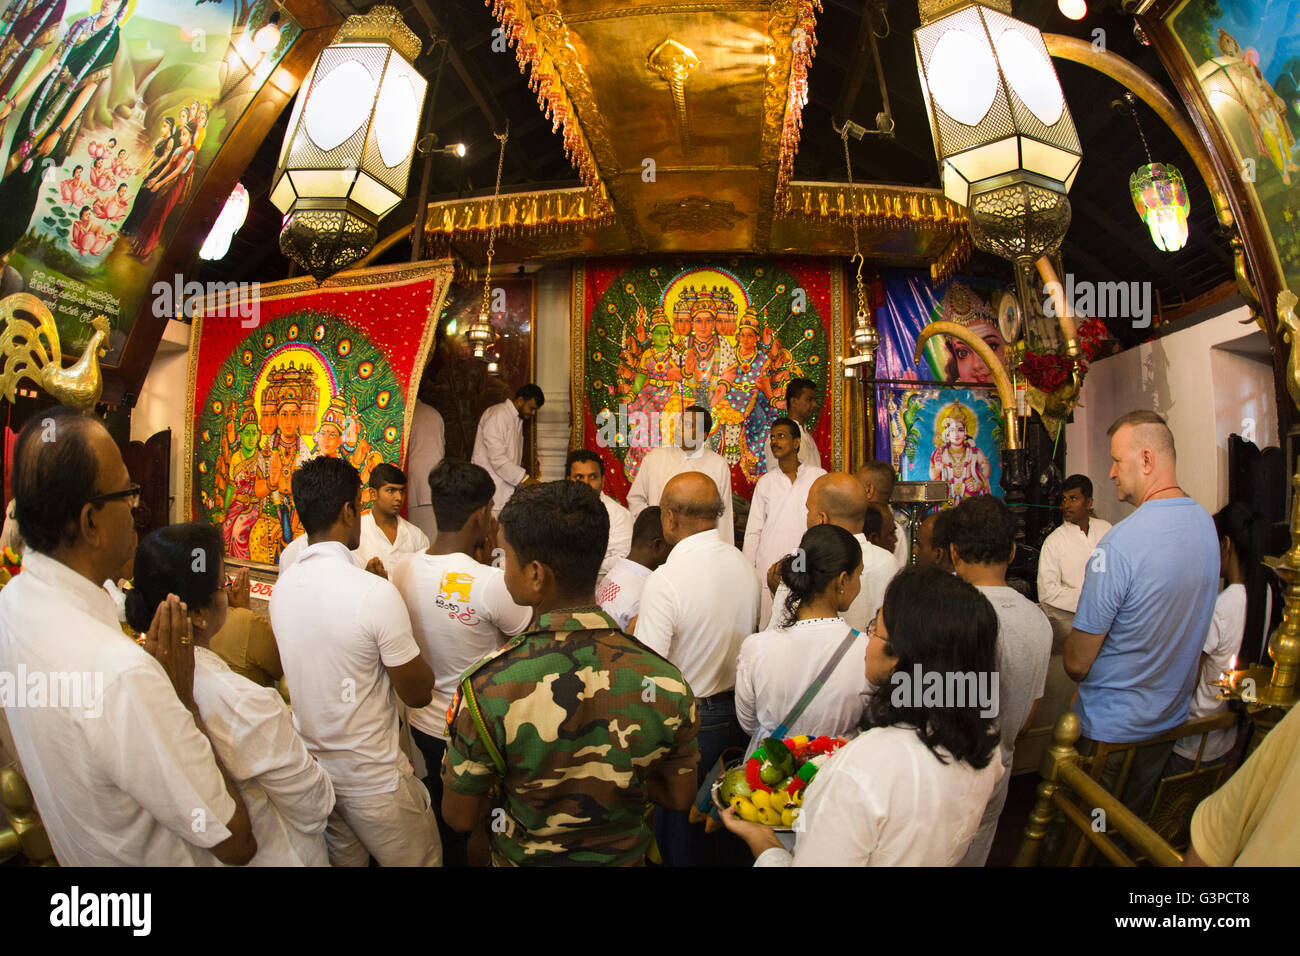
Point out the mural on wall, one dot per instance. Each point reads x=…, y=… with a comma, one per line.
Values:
x=326, y=371
x=460, y=386
x=1246, y=58
x=654, y=337
x=947, y=434
x=109, y=119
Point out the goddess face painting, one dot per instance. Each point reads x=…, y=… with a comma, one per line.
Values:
x=330, y=439
x=248, y=437
x=702, y=324
x=748, y=340
x=288, y=419
x=954, y=431
x=965, y=365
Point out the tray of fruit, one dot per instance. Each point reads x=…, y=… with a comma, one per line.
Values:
x=768, y=787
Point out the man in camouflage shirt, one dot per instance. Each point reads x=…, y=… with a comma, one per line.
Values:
x=562, y=737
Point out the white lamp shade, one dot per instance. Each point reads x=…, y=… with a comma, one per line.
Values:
x=352, y=134
x=994, y=102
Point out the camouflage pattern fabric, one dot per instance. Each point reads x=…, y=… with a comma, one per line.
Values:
x=582, y=713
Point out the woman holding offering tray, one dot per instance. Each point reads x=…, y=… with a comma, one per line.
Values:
x=911, y=789
x=776, y=666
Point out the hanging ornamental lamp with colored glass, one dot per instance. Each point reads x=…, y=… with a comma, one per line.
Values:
x=1159, y=195
x=1160, y=198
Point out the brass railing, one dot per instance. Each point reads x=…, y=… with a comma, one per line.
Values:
x=1073, y=789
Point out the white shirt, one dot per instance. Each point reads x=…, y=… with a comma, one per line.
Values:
x=776, y=667
x=123, y=777
x=620, y=536
x=292, y=551
x=665, y=463
x=903, y=540
x=1227, y=627
x=338, y=627
x=287, y=793
x=1064, y=560
x=428, y=447
x=620, y=594
x=778, y=518
x=460, y=610
x=9, y=535
x=697, y=609
x=886, y=800
x=878, y=569
x=808, y=453
x=498, y=447
x=375, y=544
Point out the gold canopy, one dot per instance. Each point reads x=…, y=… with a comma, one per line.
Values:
x=682, y=120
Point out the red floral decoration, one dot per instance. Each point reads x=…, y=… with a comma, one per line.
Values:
x=1049, y=371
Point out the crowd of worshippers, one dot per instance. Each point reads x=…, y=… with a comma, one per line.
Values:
x=569, y=671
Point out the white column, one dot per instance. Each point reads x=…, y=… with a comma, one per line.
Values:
x=552, y=342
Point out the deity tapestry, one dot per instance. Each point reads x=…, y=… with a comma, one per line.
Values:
x=941, y=433
x=651, y=339
x=325, y=371
x=109, y=121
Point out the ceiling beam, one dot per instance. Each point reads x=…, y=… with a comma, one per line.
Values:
x=487, y=103
x=849, y=91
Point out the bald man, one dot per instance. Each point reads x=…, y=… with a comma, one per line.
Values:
x=878, y=479
x=1145, y=608
x=839, y=499
x=696, y=610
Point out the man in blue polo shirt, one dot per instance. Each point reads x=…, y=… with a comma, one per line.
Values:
x=1148, y=595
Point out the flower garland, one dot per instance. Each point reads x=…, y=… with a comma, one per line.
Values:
x=1049, y=371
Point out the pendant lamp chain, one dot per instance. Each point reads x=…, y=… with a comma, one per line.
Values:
x=492, y=227
x=853, y=220
x=1132, y=108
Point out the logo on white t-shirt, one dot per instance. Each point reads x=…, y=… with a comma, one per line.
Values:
x=457, y=584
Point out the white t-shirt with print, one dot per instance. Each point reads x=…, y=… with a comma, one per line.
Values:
x=460, y=611
x=619, y=595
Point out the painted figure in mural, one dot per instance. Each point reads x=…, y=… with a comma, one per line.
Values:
x=967, y=308
x=120, y=168
x=1265, y=110
x=654, y=378
x=340, y=436
x=247, y=484
x=102, y=150
x=27, y=27
x=163, y=149
x=100, y=177
x=73, y=190
x=710, y=315
x=113, y=208
x=88, y=237
x=201, y=127
x=171, y=187
x=291, y=398
x=744, y=402
x=55, y=97
x=956, y=460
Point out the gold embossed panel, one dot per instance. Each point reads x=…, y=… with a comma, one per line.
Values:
x=669, y=101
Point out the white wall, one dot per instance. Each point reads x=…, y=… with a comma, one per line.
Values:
x=1208, y=381
x=162, y=405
